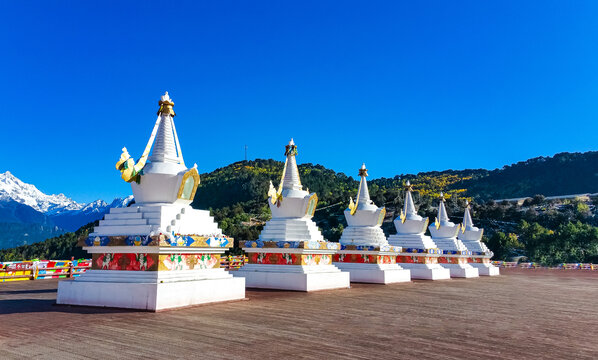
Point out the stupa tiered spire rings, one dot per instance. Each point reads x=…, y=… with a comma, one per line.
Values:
x=408, y=212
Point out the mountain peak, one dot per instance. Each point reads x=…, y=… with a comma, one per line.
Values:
x=12, y=188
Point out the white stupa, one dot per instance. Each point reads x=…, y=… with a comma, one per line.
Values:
x=455, y=254
x=364, y=218
x=365, y=253
x=471, y=237
x=291, y=252
x=160, y=252
x=419, y=252
x=292, y=207
x=163, y=190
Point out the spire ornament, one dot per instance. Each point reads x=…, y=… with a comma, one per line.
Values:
x=409, y=207
x=290, y=175
x=166, y=105
x=363, y=173
x=290, y=149
x=131, y=171
x=441, y=211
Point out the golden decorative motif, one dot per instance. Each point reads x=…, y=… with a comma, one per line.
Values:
x=381, y=216
x=166, y=105
x=352, y=206
x=426, y=223
x=195, y=175
x=290, y=150
x=311, y=205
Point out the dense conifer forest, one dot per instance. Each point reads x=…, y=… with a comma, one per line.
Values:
x=547, y=231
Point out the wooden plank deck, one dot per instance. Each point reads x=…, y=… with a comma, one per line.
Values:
x=522, y=314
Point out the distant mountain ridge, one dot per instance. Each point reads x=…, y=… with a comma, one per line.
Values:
x=27, y=215
x=562, y=174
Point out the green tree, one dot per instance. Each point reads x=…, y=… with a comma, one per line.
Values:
x=504, y=245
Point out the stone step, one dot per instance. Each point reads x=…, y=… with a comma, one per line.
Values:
x=297, y=231
x=123, y=216
x=290, y=228
x=124, y=230
x=111, y=222
x=151, y=215
x=126, y=210
x=278, y=234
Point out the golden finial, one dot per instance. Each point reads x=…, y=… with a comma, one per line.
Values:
x=408, y=186
x=166, y=105
x=363, y=171
x=290, y=149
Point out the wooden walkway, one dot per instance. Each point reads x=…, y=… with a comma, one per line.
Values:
x=522, y=314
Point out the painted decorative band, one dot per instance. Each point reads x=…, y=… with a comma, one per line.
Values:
x=155, y=262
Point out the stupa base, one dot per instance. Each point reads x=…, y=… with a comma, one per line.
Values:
x=462, y=270
x=293, y=277
x=427, y=271
x=150, y=290
x=375, y=273
x=486, y=269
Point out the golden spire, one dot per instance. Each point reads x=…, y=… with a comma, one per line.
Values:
x=363, y=171
x=166, y=105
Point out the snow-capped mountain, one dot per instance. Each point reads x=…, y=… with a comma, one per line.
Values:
x=24, y=204
x=11, y=188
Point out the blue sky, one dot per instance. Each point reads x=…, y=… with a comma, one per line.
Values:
x=405, y=86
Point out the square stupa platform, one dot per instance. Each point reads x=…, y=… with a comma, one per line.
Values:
x=420, y=256
x=299, y=266
x=371, y=264
x=152, y=273
x=481, y=261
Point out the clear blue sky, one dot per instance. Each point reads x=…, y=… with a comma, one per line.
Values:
x=405, y=86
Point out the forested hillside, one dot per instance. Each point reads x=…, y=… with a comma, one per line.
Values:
x=547, y=231
x=57, y=248
x=562, y=174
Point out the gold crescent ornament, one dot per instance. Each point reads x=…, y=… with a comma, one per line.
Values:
x=352, y=206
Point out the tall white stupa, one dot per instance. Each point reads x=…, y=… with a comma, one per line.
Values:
x=419, y=253
x=471, y=237
x=455, y=254
x=291, y=252
x=365, y=252
x=160, y=252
